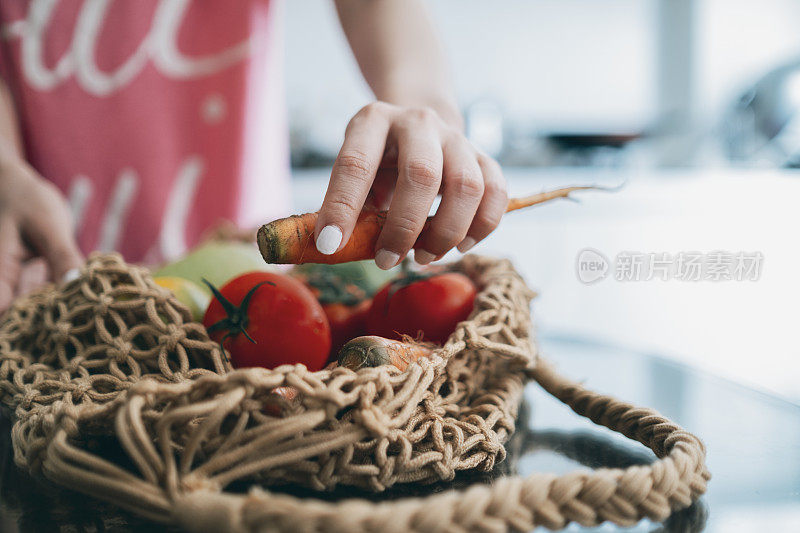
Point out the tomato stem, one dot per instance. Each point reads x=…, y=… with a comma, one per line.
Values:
x=236, y=320
x=333, y=288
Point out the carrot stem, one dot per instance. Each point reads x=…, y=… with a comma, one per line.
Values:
x=546, y=196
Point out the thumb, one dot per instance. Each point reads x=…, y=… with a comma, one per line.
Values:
x=50, y=234
x=11, y=255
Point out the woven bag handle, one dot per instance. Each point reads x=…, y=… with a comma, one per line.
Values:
x=589, y=497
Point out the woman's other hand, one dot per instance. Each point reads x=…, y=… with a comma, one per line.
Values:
x=36, y=238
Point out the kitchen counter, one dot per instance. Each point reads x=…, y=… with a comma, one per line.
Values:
x=753, y=442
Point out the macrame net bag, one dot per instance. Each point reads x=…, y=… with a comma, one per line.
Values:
x=113, y=358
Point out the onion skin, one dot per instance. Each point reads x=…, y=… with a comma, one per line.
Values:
x=374, y=351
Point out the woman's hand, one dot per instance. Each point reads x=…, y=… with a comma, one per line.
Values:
x=36, y=239
x=403, y=157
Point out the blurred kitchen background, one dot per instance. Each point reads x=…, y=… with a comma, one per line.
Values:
x=693, y=104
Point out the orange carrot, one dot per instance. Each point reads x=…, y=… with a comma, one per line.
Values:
x=291, y=240
x=371, y=350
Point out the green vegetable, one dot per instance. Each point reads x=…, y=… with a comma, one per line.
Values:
x=364, y=274
x=216, y=261
x=188, y=293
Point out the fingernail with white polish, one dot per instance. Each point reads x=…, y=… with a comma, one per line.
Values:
x=466, y=244
x=70, y=275
x=329, y=240
x=386, y=259
x=423, y=257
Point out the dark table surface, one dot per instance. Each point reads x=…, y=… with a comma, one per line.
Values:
x=753, y=442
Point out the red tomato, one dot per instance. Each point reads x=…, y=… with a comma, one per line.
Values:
x=285, y=322
x=347, y=322
x=431, y=304
x=345, y=304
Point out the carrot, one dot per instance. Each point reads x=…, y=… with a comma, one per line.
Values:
x=291, y=240
x=372, y=350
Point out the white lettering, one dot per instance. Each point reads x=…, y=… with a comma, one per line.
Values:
x=80, y=192
x=117, y=210
x=88, y=75
x=160, y=46
x=178, y=208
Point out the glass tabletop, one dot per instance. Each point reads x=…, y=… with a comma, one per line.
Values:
x=753, y=442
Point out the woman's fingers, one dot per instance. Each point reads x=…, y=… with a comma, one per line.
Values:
x=380, y=196
x=11, y=255
x=429, y=156
x=462, y=191
x=352, y=176
x=493, y=204
x=58, y=248
x=33, y=275
x=49, y=231
x=419, y=163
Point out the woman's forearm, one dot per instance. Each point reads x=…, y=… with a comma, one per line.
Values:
x=399, y=55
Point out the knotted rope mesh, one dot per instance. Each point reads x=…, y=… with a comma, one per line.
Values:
x=113, y=354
